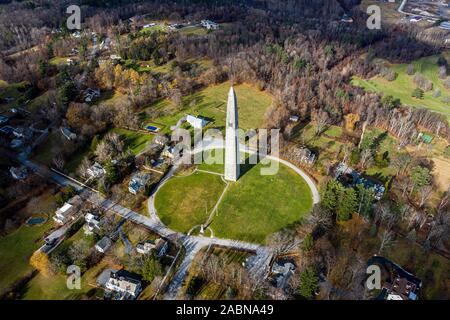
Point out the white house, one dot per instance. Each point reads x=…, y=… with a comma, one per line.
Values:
x=68, y=212
x=210, y=25
x=196, y=122
x=103, y=245
x=144, y=248
x=95, y=171
x=92, y=223
x=160, y=245
x=126, y=286
x=148, y=25
x=294, y=118
x=115, y=57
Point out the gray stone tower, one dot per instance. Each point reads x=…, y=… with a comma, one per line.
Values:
x=232, y=156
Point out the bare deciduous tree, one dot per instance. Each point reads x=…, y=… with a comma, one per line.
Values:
x=387, y=240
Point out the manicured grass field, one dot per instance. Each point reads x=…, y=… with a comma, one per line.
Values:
x=55, y=287
x=15, y=252
x=251, y=209
x=60, y=61
x=211, y=103
x=403, y=85
x=136, y=142
x=185, y=202
x=258, y=205
x=194, y=31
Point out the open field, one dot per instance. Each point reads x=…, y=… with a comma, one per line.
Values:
x=55, y=287
x=16, y=250
x=17, y=247
x=403, y=85
x=15, y=91
x=194, y=31
x=252, y=208
x=211, y=103
x=134, y=141
x=185, y=202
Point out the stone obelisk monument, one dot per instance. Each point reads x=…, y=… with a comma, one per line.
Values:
x=232, y=156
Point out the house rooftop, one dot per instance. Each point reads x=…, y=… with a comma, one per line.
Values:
x=103, y=244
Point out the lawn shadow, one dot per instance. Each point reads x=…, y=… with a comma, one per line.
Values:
x=246, y=166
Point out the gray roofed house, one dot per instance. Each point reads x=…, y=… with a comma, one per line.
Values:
x=69, y=135
x=103, y=245
x=161, y=247
x=90, y=94
x=282, y=273
x=95, y=171
x=138, y=182
x=16, y=143
x=18, y=173
x=3, y=119
x=23, y=133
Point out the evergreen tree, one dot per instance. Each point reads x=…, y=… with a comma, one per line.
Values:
x=309, y=283
x=151, y=267
x=308, y=242
x=347, y=202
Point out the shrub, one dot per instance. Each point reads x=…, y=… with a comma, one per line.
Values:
x=390, y=102
x=442, y=61
x=151, y=268
x=382, y=160
x=417, y=93
x=308, y=242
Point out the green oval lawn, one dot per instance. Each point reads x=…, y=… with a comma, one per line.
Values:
x=252, y=208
